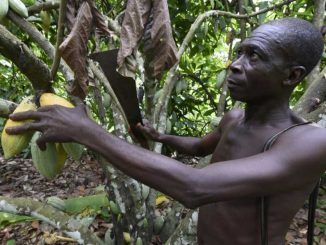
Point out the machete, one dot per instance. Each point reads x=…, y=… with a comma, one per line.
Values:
x=124, y=88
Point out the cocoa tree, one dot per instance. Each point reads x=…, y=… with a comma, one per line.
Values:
x=178, y=52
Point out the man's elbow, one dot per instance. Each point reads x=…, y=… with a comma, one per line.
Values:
x=191, y=198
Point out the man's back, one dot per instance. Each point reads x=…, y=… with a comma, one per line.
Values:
x=238, y=221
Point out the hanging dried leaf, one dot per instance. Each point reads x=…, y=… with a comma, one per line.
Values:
x=71, y=13
x=99, y=20
x=150, y=20
x=74, y=49
x=161, y=51
x=136, y=16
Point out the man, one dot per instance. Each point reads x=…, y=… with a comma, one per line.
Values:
x=270, y=63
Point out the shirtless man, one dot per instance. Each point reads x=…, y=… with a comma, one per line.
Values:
x=270, y=63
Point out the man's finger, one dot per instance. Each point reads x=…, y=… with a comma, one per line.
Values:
x=145, y=122
x=24, y=128
x=46, y=108
x=20, y=116
x=41, y=142
x=141, y=128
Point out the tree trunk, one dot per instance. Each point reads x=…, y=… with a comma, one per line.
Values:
x=131, y=210
x=314, y=96
x=318, y=21
x=6, y=107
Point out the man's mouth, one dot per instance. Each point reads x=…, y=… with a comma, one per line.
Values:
x=231, y=83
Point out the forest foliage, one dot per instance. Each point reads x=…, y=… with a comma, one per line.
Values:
x=178, y=52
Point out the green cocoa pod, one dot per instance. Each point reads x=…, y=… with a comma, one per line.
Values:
x=139, y=241
x=49, y=162
x=114, y=208
x=4, y=8
x=74, y=150
x=18, y=7
x=56, y=202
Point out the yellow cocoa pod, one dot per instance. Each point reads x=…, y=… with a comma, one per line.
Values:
x=126, y=237
x=14, y=144
x=53, y=99
x=73, y=149
x=49, y=162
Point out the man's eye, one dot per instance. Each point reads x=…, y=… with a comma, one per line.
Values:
x=254, y=55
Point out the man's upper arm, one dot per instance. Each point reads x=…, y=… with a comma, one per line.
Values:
x=291, y=163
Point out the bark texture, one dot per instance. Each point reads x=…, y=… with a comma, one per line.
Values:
x=6, y=107
x=313, y=98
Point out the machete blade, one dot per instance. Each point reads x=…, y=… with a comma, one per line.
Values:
x=123, y=87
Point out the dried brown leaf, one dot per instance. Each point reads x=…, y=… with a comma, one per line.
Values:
x=136, y=16
x=99, y=20
x=71, y=13
x=161, y=51
x=74, y=49
x=36, y=224
x=150, y=20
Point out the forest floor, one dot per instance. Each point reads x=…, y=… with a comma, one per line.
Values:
x=18, y=178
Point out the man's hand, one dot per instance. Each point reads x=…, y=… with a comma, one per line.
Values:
x=148, y=131
x=57, y=123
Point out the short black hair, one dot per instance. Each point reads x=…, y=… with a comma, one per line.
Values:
x=302, y=39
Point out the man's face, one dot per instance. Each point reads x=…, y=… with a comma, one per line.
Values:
x=259, y=69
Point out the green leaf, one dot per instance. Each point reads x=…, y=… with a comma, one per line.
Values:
x=11, y=242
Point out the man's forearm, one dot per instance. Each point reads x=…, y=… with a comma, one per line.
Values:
x=160, y=172
x=182, y=144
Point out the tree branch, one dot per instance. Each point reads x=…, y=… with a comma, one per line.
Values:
x=317, y=114
x=223, y=96
x=318, y=21
x=242, y=9
x=313, y=97
x=186, y=232
x=36, y=8
x=38, y=38
x=71, y=227
x=6, y=107
x=15, y=50
x=61, y=22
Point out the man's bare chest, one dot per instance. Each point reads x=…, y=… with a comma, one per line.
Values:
x=238, y=142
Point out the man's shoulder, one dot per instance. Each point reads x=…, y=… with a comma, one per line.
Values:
x=306, y=142
x=306, y=132
x=317, y=133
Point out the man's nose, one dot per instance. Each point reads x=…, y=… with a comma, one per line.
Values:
x=236, y=66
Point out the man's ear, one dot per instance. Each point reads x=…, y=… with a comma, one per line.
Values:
x=296, y=74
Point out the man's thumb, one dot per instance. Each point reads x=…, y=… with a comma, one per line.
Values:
x=41, y=142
